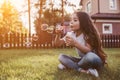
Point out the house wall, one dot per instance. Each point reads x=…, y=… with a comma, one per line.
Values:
x=84, y=2
x=119, y=5
x=94, y=7
x=116, y=29
x=115, y=26
x=104, y=6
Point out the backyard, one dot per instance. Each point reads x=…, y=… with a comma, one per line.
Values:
x=41, y=64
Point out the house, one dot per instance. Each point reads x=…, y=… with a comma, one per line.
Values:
x=104, y=13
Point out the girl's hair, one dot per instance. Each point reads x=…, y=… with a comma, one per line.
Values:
x=91, y=34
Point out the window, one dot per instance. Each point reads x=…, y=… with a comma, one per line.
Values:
x=112, y=4
x=107, y=28
x=88, y=8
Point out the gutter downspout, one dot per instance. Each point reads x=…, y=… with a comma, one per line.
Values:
x=94, y=21
x=98, y=11
x=98, y=6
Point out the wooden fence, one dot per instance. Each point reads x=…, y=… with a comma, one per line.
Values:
x=110, y=41
x=34, y=41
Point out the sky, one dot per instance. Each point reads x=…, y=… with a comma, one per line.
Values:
x=19, y=4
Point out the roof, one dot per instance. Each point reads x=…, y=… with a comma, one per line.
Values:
x=115, y=16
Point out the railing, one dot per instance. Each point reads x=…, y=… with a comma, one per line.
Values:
x=18, y=41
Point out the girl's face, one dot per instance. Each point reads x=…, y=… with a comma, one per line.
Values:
x=74, y=23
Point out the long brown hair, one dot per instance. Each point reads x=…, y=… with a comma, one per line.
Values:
x=91, y=34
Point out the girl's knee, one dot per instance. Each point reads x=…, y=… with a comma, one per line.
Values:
x=88, y=56
x=91, y=56
x=61, y=57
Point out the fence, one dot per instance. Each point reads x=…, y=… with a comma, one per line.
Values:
x=45, y=40
x=110, y=41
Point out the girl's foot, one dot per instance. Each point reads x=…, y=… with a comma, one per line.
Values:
x=61, y=66
x=93, y=72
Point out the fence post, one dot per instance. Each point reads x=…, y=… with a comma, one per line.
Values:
x=10, y=37
x=119, y=40
x=1, y=41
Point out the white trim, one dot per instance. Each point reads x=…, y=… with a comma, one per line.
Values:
x=110, y=29
x=115, y=5
x=108, y=21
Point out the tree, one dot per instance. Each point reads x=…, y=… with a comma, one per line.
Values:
x=10, y=21
x=38, y=21
x=51, y=15
x=54, y=17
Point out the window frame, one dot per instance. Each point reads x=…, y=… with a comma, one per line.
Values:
x=110, y=27
x=89, y=4
x=115, y=5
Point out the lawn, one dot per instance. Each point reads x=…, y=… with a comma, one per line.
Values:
x=41, y=64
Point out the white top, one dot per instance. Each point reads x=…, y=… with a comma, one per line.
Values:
x=80, y=40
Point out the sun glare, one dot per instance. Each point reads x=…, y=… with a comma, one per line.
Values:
x=18, y=4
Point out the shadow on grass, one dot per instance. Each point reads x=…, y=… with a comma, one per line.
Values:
x=116, y=55
x=110, y=74
x=72, y=75
x=6, y=56
x=106, y=74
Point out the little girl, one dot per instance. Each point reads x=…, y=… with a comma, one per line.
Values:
x=86, y=39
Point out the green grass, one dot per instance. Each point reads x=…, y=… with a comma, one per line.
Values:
x=41, y=64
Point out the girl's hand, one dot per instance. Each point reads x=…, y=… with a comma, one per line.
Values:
x=59, y=30
x=70, y=41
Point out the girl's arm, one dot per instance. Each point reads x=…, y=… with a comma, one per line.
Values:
x=82, y=48
x=58, y=41
x=85, y=49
